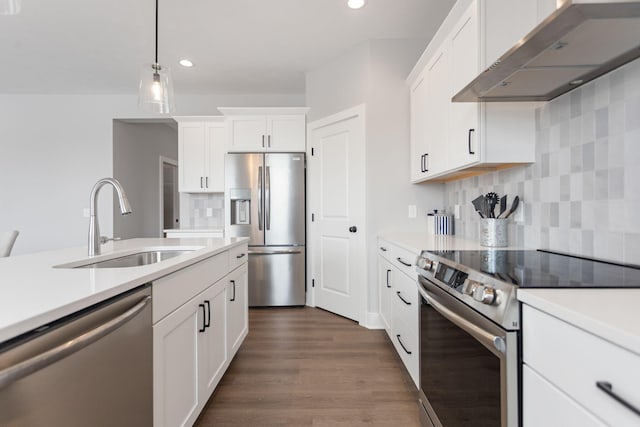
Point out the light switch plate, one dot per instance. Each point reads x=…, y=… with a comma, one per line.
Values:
x=456, y=211
x=86, y=212
x=519, y=214
x=413, y=211
x=209, y=211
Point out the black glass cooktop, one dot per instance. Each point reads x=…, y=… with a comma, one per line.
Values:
x=542, y=269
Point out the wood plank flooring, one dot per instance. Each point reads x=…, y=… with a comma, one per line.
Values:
x=308, y=367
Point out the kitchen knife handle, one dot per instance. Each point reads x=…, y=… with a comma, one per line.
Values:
x=470, y=132
x=260, y=198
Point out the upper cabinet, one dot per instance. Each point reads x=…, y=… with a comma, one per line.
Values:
x=452, y=140
x=201, y=150
x=265, y=129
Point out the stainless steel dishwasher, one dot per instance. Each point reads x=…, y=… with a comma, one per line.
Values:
x=92, y=368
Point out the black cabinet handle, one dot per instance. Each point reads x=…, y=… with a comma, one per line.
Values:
x=403, y=262
x=383, y=249
x=388, y=285
x=233, y=298
x=262, y=141
x=426, y=157
x=422, y=163
x=470, y=132
x=201, y=186
x=208, y=304
x=204, y=316
x=353, y=229
x=608, y=388
x=240, y=256
x=402, y=299
x=402, y=345
x=206, y=182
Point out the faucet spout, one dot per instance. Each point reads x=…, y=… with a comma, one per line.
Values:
x=94, y=228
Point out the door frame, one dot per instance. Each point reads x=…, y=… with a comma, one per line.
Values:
x=359, y=111
x=162, y=160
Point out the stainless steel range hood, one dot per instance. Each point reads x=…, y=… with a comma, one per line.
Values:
x=580, y=41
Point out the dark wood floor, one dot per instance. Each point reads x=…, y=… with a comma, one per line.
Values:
x=308, y=367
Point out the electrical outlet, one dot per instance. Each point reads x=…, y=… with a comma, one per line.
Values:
x=456, y=211
x=86, y=212
x=519, y=214
x=209, y=211
x=413, y=211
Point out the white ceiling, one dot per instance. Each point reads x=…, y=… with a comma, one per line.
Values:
x=238, y=46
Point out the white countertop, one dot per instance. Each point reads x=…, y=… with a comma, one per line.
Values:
x=611, y=314
x=418, y=242
x=34, y=293
x=194, y=230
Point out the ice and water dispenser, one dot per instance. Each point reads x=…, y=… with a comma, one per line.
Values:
x=240, y=199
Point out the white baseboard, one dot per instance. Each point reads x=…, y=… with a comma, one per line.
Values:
x=372, y=321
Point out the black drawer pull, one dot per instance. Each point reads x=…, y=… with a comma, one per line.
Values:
x=240, y=256
x=403, y=300
x=388, y=284
x=204, y=318
x=608, y=388
x=233, y=298
x=470, y=132
x=383, y=249
x=403, y=262
x=208, y=304
x=402, y=345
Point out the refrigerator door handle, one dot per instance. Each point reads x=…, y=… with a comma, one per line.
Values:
x=267, y=201
x=260, y=198
x=278, y=252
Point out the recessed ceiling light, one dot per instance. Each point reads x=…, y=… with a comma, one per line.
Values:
x=355, y=4
x=186, y=63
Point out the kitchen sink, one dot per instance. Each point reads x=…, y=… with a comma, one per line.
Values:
x=136, y=260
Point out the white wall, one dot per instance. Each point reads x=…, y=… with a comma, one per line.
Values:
x=374, y=73
x=53, y=148
x=137, y=148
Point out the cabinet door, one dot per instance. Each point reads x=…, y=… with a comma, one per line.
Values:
x=238, y=312
x=438, y=114
x=385, y=281
x=191, y=157
x=175, y=366
x=247, y=133
x=464, y=147
x=215, y=151
x=212, y=351
x=286, y=133
x=419, y=111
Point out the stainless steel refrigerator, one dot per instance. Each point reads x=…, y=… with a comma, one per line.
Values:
x=265, y=195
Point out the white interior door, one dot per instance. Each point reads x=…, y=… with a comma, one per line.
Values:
x=337, y=199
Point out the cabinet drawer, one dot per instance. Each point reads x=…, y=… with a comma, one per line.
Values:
x=574, y=361
x=237, y=256
x=175, y=289
x=385, y=249
x=545, y=405
x=405, y=261
x=405, y=340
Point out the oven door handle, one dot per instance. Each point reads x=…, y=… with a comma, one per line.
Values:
x=494, y=343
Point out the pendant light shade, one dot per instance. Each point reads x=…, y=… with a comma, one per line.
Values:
x=10, y=7
x=155, y=92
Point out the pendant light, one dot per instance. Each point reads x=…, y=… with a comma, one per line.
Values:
x=10, y=7
x=156, y=90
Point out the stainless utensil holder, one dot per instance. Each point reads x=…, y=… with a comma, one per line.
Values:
x=493, y=232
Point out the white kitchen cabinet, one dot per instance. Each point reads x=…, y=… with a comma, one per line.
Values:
x=573, y=361
x=201, y=150
x=462, y=139
x=196, y=333
x=266, y=129
x=238, y=312
x=399, y=303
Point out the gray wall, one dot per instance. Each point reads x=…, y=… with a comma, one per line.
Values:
x=374, y=73
x=583, y=193
x=137, y=148
x=53, y=148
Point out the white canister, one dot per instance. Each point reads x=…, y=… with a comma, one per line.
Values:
x=493, y=232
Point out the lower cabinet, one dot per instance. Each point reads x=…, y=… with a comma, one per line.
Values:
x=399, y=303
x=195, y=342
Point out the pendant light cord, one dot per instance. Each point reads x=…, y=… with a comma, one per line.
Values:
x=156, y=31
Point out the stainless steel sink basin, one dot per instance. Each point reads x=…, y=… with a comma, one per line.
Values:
x=137, y=259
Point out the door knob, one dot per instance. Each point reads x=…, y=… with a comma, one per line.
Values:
x=353, y=229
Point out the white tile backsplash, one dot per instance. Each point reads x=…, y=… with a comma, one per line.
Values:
x=583, y=193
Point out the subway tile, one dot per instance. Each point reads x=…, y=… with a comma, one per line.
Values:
x=545, y=214
x=616, y=118
x=575, y=187
x=615, y=156
x=632, y=248
x=587, y=242
x=559, y=239
x=601, y=191
x=588, y=97
x=588, y=185
x=616, y=85
x=616, y=216
x=601, y=93
x=632, y=113
x=576, y=103
x=588, y=217
x=588, y=126
x=560, y=109
x=616, y=183
x=575, y=241
x=602, y=122
x=576, y=215
x=588, y=156
x=564, y=215
x=565, y=187
x=632, y=79
x=601, y=215
x=575, y=129
x=544, y=238
x=631, y=215
x=554, y=214
x=576, y=158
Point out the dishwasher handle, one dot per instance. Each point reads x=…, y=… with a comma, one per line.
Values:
x=29, y=366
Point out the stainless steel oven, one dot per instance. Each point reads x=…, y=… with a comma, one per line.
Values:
x=468, y=364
